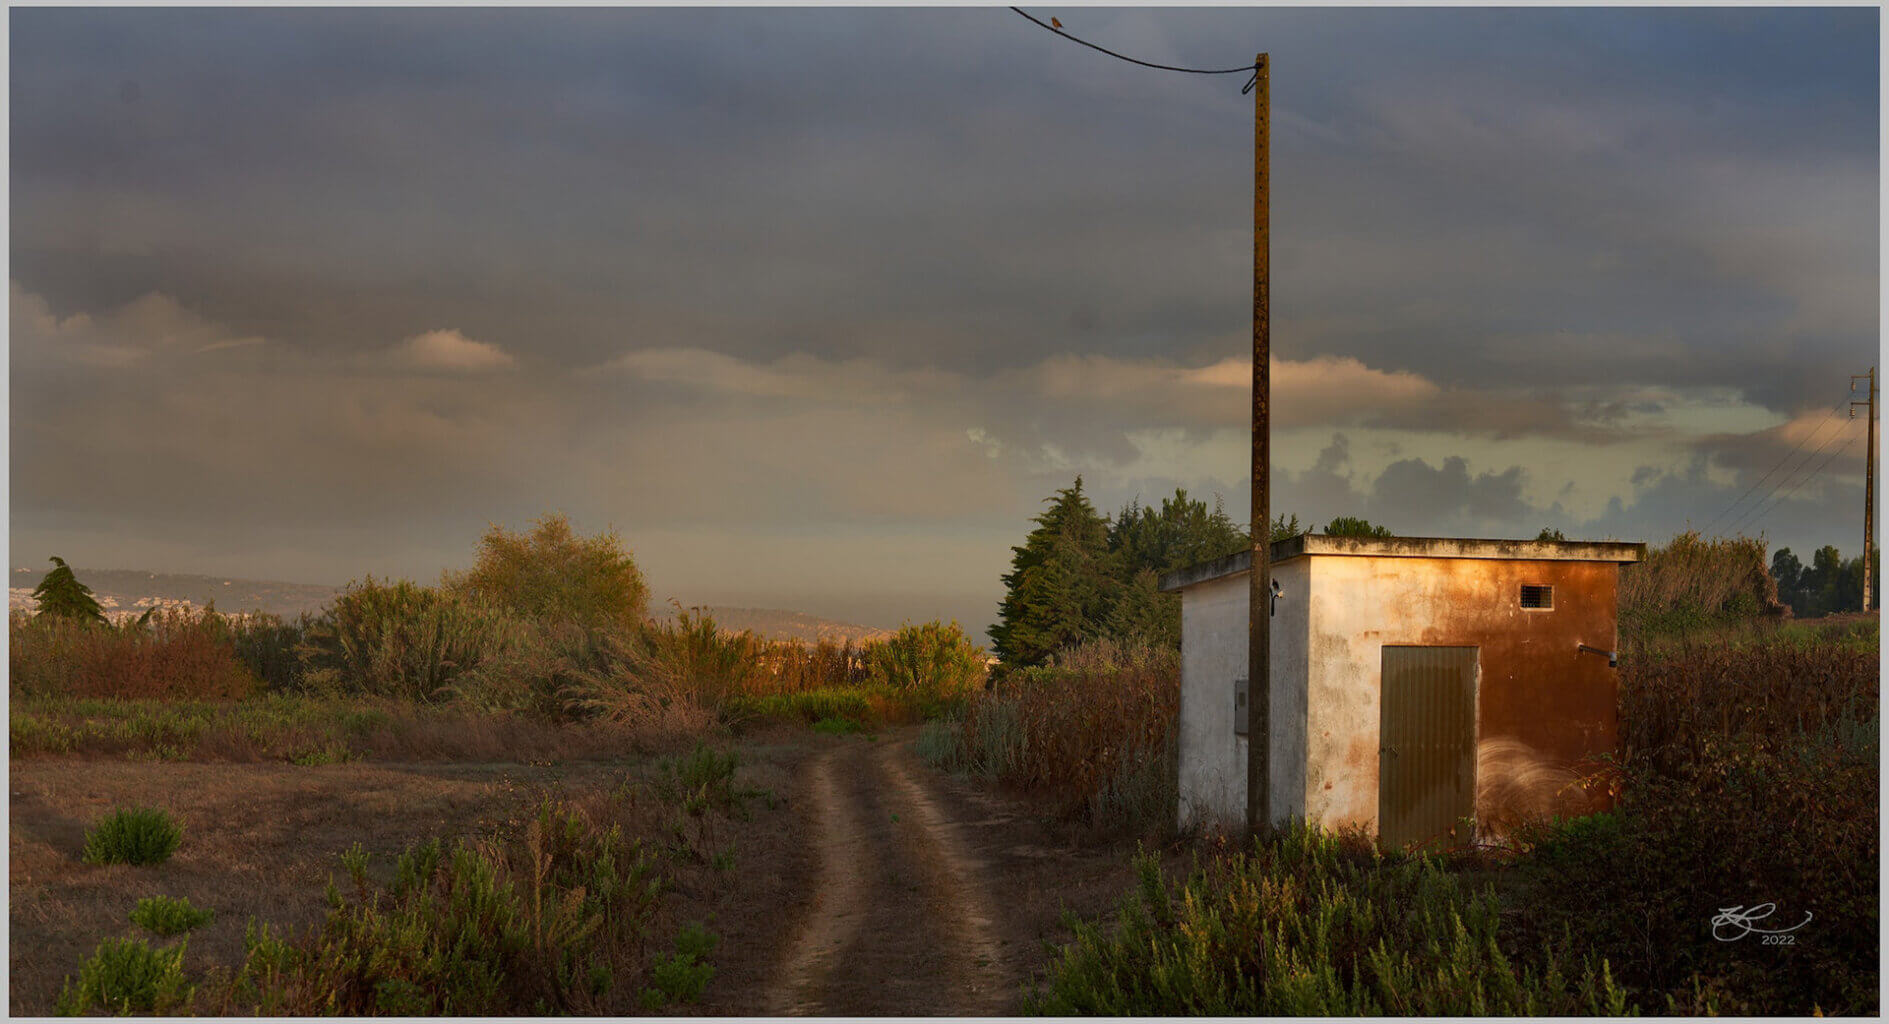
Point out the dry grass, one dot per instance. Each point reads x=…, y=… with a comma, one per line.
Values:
x=1090, y=733
x=263, y=841
x=1677, y=702
x=259, y=841
x=322, y=730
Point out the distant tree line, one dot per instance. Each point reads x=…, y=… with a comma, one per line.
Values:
x=1082, y=576
x=1830, y=583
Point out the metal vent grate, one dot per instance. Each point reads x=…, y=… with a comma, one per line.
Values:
x=1537, y=596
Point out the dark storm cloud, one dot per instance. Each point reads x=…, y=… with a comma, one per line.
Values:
x=934, y=186
x=725, y=270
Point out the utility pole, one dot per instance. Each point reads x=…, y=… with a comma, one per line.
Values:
x=1869, y=476
x=1259, y=597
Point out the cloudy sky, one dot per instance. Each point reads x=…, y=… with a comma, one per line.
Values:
x=816, y=306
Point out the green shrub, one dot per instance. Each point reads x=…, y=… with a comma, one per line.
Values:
x=269, y=647
x=702, y=780
x=126, y=976
x=30, y=734
x=402, y=640
x=697, y=655
x=161, y=915
x=930, y=660
x=531, y=925
x=144, y=835
x=838, y=726
x=1313, y=925
x=807, y=706
x=553, y=577
x=681, y=976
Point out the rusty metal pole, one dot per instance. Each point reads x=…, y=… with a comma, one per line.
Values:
x=1869, y=477
x=1869, y=490
x=1259, y=603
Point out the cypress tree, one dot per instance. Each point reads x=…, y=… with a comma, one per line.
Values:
x=1059, y=590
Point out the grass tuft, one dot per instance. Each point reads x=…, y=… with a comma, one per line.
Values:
x=144, y=835
x=162, y=915
x=680, y=976
x=1312, y=924
x=126, y=976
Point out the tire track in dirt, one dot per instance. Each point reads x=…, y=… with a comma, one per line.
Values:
x=835, y=912
x=977, y=968
x=900, y=924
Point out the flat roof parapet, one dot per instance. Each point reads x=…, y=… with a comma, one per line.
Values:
x=1411, y=547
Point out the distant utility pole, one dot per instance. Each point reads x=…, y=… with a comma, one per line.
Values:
x=1869, y=475
x=1259, y=597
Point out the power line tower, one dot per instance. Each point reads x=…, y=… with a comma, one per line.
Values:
x=1869, y=476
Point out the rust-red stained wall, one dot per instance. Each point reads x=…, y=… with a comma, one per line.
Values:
x=1543, y=707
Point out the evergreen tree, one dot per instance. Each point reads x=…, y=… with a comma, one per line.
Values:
x=1148, y=544
x=1352, y=526
x=61, y=594
x=1060, y=590
x=1143, y=614
x=1181, y=534
x=1079, y=576
x=1789, y=574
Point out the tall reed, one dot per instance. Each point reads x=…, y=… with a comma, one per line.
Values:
x=1693, y=582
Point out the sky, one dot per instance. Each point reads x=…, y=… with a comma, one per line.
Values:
x=814, y=307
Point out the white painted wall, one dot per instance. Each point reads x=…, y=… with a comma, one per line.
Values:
x=1338, y=612
x=1213, y=654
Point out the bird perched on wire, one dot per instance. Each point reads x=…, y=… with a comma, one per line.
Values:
x=1055, y=22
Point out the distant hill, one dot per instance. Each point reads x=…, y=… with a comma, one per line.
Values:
x=780, y=624
x=123, y=590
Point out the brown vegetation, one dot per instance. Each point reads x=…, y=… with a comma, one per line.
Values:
x=177, y=654
x=1750, y=776
x=1091, y=734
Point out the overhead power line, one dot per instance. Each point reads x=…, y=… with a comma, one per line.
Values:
x=1800, y=483
x=1058, y=29
x=1790, y=479
x=1827, y=419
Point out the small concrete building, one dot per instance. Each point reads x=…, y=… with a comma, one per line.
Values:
x=1416, y=681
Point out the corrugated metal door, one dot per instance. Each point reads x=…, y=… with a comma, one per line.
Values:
x=1426, y=762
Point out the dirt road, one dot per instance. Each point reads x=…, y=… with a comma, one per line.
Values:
x=930, y=898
